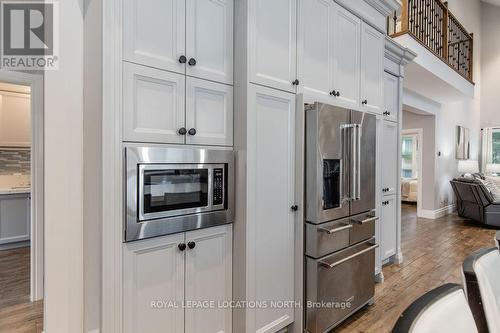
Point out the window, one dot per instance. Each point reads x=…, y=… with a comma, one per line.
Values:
x=496, y=146
x=409, y=148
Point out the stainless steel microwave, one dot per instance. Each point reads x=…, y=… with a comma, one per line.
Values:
x=170, y=190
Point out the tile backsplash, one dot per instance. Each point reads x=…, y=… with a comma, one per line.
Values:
x=14, y=161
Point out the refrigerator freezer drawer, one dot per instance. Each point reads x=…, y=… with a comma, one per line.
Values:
x=339, y=284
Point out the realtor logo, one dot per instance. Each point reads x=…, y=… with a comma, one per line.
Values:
x=29, y=35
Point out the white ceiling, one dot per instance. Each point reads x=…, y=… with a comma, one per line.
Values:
x=493, y=2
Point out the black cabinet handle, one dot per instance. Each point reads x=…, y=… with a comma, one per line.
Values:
x=333, y=93
x=364, y=102
x=294, y=208
x=192, y=131
x=181, y=246
x=192, y=62
x=338, y=94
x=182, y=59
x=182, y=131
x=191, y=245
x=296, y=82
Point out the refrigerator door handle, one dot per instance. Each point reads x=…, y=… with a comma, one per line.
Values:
x=347, y=133
x=356, y=161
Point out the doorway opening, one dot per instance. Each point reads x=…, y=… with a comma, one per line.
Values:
x=21, y=202
x=418, y=160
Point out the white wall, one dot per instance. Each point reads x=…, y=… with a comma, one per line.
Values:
x=428, y=147
x=64, y=178
x=92, y=152
x=490, y=66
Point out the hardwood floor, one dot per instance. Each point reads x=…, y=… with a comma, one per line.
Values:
x=433, y=252
x=17, y=313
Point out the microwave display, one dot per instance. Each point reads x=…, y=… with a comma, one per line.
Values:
x=175, y=189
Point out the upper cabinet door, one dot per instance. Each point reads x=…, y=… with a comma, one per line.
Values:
x=270, y=230
x=372, y=69
x=209, y=113
x=209, y=277
x=315, y=58
x=273, y=43
x=209, y=39
x=153, y=104
x=346, y=69
x=154, y=33
x=153, y=270
x=391, y=87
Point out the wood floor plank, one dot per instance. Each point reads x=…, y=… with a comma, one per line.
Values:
x=433, y=252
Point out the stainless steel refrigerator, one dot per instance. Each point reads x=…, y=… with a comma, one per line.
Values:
x=340, y=219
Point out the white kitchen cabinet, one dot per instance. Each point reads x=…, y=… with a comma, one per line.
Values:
x=15, y=218
x=209, y=277
x=154, y=33
x=153, y=285
x=388, y=229
x=372, y=69
x=391, y=97
x=209, y=39
x=347, y=68
x=270, y=195
x=315, y=49
x=159, y=104
x=163, y=282
x=390, y=161
x=209, y=111
x=272, y=43
x=15, y=119
x=153, y=104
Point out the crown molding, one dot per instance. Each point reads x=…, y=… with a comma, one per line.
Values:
x=385, y=7
x=398, y=53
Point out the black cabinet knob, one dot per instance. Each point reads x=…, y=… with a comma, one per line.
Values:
x=192, y=131
x=333, y=93
x=338, y=94
x=364, y=102
x=182, y=59
x=192, y=62
x=294, y=208
x=181, y=246
x=191, y=245
x=182, y=131
x=296, y=82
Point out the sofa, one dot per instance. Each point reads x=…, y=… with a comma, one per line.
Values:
x=476, y=201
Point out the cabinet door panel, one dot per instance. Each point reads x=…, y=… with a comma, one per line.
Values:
x=346, y=69
x=209, y=278
x=154, y=33
x=315, y=49
x=14, y=218
x=153, y=273
x=391, y=100
x=390, y=158
x=270, y=193
x=209, y=39
x=372, y=68
x=272, y=43
x=388, y=227
x=209, y=110
x=154, y=105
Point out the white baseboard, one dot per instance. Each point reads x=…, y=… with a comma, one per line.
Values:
x=435, y=214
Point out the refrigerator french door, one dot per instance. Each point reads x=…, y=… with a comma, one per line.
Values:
x=340, y=162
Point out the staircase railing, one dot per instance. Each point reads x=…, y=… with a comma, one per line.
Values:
x=435, y=27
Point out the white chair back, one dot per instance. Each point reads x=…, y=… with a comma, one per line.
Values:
x=444, y=310
x=487, y=270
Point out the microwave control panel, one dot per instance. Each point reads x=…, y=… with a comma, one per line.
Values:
x=218, y=192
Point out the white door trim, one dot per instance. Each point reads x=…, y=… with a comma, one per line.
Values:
x=420, y=133
x=112, y=231
x=35, y=82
